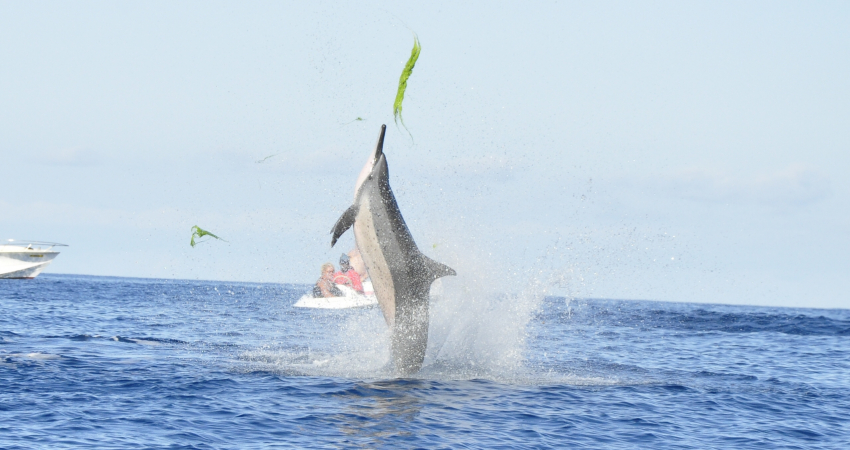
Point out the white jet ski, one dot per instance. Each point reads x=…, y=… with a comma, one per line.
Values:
x=350, y=299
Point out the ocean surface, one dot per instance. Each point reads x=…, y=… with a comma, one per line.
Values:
x=127, y=363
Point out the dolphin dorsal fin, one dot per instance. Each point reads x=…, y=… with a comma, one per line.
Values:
x=437, y=270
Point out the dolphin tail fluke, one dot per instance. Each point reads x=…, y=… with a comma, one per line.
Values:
x=346, y=220
x=437, y=270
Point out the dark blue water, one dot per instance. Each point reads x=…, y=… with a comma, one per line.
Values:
x=133, y=363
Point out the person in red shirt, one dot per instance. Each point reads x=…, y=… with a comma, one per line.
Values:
x=358, y=265
x=348, y=276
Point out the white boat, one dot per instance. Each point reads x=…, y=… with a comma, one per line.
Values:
x=25, y=259
x=351, y=299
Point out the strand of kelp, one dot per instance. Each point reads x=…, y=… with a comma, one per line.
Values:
x=198, y=232
x=402, y=83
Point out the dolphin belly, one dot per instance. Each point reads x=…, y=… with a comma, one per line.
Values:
x=376, y=263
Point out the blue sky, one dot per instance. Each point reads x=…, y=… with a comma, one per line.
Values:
x=663, y=150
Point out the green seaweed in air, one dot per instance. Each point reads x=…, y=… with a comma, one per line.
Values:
x=264, y=159
x=198, y=232
x=359, y=119
x=402, y=82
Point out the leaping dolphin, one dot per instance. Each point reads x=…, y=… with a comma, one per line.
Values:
x=400, y=273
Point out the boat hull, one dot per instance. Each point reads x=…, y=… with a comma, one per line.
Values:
x=25, y=263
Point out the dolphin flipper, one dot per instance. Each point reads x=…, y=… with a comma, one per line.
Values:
x=437, y=270
x=346, y=220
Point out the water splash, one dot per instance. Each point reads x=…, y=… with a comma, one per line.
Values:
x=477, y=331
x=356, y=346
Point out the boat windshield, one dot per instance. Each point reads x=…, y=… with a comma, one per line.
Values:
x=10, y=244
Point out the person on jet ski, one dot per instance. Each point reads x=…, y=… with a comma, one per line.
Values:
x=347, y=275
x=325, y=287
x=358, y=265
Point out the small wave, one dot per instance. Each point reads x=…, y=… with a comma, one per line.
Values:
x=147, y=342
x=314, y=363
x=83, y=337
x=730, y=376
x=8, y=336
x=34, y=355
x=43, y=356
x=151, y=341
x=76, y=337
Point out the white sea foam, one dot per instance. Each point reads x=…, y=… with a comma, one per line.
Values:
x=40, y=356
x=358, y=347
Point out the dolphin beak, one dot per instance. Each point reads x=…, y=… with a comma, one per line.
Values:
x=379, y=149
